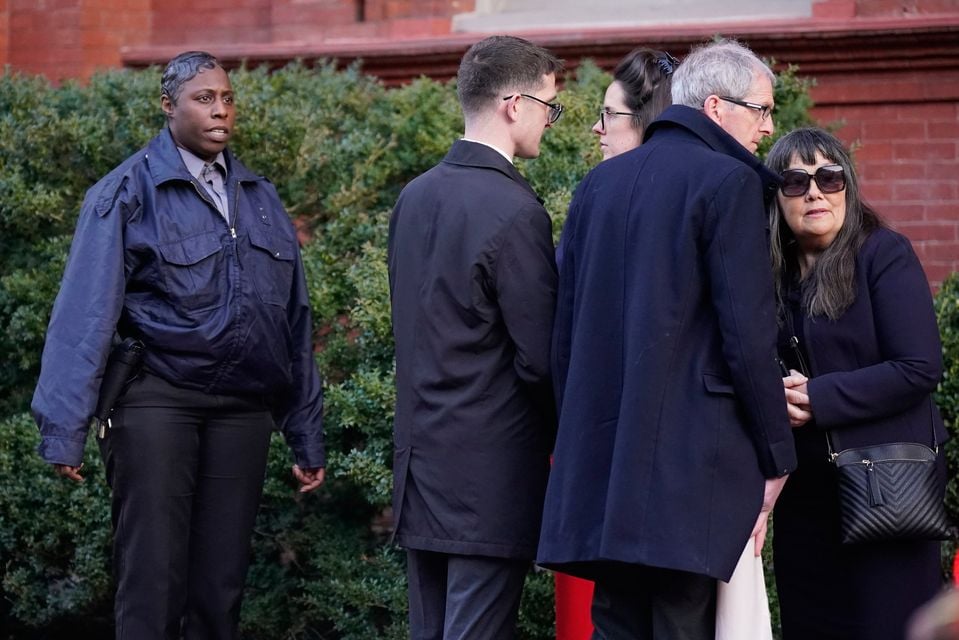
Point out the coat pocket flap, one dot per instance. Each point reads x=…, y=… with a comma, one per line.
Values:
x=191, y=250
x=716, y=383
x=278, y=247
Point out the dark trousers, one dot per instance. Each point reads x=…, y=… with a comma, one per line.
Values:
x=649, y=603
x=454, y=597
x=186, y=469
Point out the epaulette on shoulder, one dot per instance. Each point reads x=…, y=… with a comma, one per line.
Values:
x=109, y=192
x=110, y=187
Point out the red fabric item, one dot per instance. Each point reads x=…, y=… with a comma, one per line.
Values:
x=573, y=599
x=955, y=579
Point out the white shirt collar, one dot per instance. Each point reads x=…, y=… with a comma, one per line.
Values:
x=494, y=148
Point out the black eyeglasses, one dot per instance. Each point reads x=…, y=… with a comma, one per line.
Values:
x=763, y=109
x=607, y=112
x=830, y=178
x=555, y=109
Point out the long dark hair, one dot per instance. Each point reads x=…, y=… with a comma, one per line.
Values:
x=829, y=287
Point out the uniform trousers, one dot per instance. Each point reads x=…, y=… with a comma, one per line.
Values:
x=186, y=470
x=457, y=597
x=649, y=603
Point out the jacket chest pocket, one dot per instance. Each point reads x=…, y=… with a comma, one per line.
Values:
x=194, y=271
x=271, y=262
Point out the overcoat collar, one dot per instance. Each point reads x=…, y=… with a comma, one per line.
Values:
x=696, y=122
x=473, y=154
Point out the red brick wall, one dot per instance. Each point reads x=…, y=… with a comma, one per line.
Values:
x=282, y=21
x=4, y=33
x=106, y=26
x=306, y=19
x=202, y=23
x=872, y=8
x=904, y=129
x=72, y=38
x=69, y=38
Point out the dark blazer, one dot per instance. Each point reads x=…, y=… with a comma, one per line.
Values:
x=671, y=405
x=874, y=369
x=473, y=289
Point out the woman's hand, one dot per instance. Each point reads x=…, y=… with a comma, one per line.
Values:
x=797, y=398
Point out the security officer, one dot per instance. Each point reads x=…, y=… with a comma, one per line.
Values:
x=186, y=250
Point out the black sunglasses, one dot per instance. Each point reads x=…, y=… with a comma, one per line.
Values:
x=830, y=178
x=555, y=110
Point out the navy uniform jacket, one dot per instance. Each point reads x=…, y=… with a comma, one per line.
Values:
x=671, y=405
x=473, y=287
x=221, y=308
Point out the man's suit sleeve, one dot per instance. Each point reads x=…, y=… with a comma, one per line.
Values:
x=738, y=265
x=526, y=290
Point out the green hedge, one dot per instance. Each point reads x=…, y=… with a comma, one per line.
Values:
x=339, y=147
x=947, y=397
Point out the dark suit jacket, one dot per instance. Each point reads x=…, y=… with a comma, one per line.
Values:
x=473, y=288
x=672, y=410
x=873, y=369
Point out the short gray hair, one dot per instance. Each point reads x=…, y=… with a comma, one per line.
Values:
x=723, y=68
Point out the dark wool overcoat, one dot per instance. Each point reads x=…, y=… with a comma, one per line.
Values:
x=671, y=403
x=473, y=290
x=872, y=371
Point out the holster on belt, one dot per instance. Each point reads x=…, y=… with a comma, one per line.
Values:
x=123, y=366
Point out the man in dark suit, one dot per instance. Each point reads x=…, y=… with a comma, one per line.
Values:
x=473, y=289
x=673, y=438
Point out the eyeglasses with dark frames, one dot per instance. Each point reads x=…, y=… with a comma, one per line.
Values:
x=555, y=109
x=763, y=109
x=830, y=178
x=604, y=112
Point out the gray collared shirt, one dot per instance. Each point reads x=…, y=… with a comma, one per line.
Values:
x=212, y=176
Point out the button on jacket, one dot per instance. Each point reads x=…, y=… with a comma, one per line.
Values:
x=221, y=307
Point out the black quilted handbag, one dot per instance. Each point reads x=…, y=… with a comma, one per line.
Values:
x=891, y=492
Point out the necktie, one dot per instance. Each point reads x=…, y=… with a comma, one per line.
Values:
x=213, y=181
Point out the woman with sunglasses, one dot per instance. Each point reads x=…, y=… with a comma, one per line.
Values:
x=858, y=331
x=639, y=92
